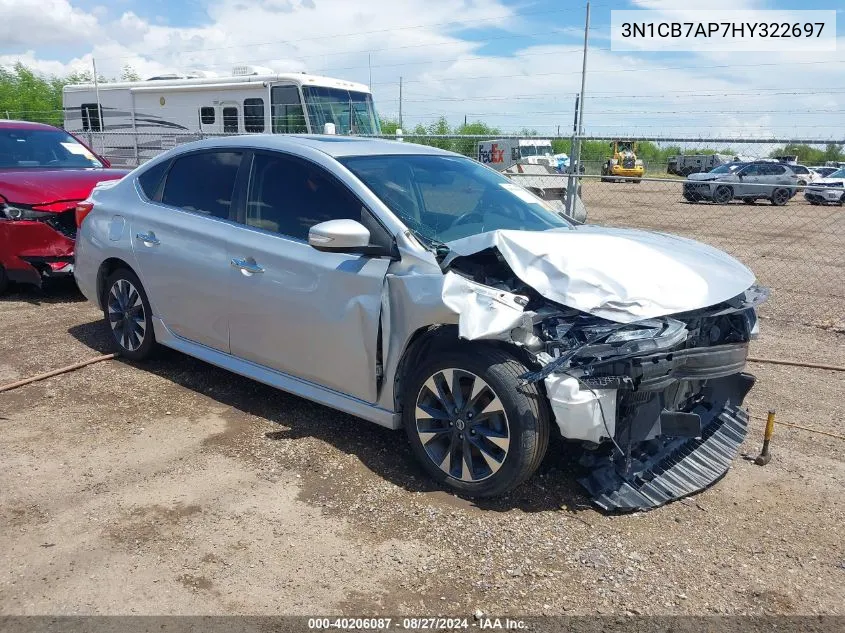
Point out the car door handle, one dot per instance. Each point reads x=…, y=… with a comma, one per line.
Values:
x=247, y=265
x=148, y=238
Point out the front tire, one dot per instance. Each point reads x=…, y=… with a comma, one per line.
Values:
x=4, y=280
x=723, y=194
x=472, y=427
x=127, y=311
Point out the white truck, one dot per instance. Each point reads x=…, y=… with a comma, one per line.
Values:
x=144, y=118
x=505, y=153
x=531, y=163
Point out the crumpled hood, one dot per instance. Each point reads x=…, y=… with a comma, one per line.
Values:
x=623, y=275
x=41, y=186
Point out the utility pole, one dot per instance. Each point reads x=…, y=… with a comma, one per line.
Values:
x=402, y=127
x=102, y=149
x=577, y=129
x=97, y=93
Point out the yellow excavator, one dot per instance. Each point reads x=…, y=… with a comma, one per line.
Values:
x=624, y=165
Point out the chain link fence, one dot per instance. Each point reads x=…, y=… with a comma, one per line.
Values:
x=777, y=218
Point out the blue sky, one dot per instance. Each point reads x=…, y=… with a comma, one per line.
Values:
x=513, y=64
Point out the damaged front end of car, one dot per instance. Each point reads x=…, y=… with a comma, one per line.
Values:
x=655, y=401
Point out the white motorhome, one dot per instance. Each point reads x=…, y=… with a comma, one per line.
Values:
x=143, y=118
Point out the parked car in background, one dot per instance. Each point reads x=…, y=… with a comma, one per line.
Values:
x=829, y=190
x=823, y=172
x=804, y=175
x=417, y=288
x=44, y=173
x=749, y=182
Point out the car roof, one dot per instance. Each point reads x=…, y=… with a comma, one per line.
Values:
x=9, y=124
x=335, y=146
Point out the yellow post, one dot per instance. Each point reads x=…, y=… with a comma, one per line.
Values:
x=765, y=457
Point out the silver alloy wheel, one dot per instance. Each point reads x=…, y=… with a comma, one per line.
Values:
x=127, y=317
x=462, y=425
x=780, y=197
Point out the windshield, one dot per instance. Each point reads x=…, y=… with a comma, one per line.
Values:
x=21, y=147
x=535, y=150
x=837, y=174
x=444, y=198
x=351, y=112
x=725, y=169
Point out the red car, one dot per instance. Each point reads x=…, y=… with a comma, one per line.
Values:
x=44, y=173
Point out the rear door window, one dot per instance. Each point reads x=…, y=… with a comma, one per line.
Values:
x=151, y=179
x=203, y=182
x=772, y=170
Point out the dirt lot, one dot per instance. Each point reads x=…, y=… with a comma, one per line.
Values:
x=175, y=487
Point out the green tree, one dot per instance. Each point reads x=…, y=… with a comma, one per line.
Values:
x=128, y=73
x=27, y=95
x=440, y=127
x=469, y=147
x=807, y=155
x=832, y=151
x=388, y=126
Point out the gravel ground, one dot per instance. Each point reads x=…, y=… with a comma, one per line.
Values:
x=174, y=487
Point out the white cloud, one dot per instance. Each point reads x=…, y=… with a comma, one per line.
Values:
x=24, y=22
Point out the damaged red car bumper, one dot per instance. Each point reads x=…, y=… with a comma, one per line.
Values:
x=33, y=249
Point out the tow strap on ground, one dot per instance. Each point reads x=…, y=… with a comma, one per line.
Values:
x=794, y=363
x=56, y=372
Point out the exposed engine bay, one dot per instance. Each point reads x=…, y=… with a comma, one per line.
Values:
x=654, y=401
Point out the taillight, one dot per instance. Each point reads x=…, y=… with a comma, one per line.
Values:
x=82, y=211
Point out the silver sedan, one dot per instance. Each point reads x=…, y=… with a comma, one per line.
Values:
x=417, y=288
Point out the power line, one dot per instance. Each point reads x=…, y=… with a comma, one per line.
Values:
x=686, y=94
x=619, y=70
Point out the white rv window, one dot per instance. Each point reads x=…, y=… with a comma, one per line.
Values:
x=286, y=109
x=207, y=115
x=254, y=115
x=230, y=120
x=91, y=119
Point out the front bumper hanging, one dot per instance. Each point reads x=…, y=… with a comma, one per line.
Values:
x=664, y=469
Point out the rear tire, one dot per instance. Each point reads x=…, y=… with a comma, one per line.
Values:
x=127, y=311
x=780, y=197
x=471, y=426
x=723, y=194
x=4, y=280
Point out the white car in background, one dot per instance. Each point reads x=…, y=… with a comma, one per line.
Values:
x=804, y=174
x=827, y=190
x=822, y=171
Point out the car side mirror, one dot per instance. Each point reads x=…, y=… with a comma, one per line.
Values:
x=340, y=236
